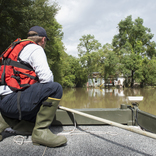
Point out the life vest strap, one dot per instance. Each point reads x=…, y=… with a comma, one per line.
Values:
x=8, y=61
x=18, y=72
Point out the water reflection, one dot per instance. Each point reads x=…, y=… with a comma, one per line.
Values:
x=102, y=92
x=108, y=98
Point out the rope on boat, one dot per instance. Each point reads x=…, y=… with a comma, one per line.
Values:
x=67, y=133
x=21, y=141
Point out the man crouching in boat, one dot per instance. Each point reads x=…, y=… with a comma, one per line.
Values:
x=29, y=97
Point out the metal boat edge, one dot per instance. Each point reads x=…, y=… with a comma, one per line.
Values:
x=126, y=114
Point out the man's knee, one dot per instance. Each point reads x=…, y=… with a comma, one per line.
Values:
x=56, y=88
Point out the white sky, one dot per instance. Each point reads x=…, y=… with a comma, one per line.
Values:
x=100, y=18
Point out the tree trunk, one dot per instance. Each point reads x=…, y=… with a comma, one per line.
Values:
x=142, y=84
x=132, y=82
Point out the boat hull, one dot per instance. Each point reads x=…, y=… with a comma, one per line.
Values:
x=120, y=115
x=126, y=115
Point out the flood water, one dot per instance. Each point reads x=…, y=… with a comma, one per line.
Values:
x=108, y=98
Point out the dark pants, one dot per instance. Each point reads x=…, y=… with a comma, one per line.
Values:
x=30, y=100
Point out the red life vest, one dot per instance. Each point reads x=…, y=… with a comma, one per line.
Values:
x=13, y=72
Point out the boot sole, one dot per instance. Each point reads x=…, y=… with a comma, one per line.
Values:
x=61, y=144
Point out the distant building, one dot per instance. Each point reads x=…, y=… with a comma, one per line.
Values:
x=96, y=80
x=119, y=81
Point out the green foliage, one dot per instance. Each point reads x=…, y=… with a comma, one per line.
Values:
x=110, y=61
x=87, y=45
x=81, y=76
x=12, y=20
x=95, y=58
x=132, y=45
x=151, y=51
x=68, y=71
x=17, y=16
x=148, y=71
x=132, y=52
x=73, y=75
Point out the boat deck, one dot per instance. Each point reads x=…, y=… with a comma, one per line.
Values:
x=85, y=141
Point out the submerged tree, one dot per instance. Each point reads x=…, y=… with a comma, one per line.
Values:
x=132, y=45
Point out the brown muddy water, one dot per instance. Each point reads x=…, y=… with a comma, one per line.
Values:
x=107, y=98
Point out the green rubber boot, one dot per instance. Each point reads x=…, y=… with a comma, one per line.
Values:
x=4, y=124
x=24, y=127
x=41, y=134
x=21, y=127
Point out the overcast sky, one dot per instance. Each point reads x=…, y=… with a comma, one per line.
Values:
x=100, y=18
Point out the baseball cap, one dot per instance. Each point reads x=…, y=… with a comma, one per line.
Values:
x=40, y=31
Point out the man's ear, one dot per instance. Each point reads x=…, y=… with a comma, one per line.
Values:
x=43, y=39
